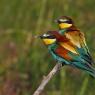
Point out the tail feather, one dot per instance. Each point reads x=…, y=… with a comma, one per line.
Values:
x=92, y=73
x=86, y=67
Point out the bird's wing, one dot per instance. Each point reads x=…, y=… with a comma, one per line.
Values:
x=77, y=44
x=77, y=38
x=64, y=41
x=62, y=52
x=74, y=41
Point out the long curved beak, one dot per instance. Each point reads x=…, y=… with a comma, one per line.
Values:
x=38, y=36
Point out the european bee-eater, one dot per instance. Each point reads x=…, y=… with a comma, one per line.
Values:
x=76, y=41
x=68, y=46
x=65, y=56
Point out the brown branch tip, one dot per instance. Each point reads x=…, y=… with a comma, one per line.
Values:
x=47, y=78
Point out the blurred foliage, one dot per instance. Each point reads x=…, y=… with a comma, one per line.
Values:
x=24, y=59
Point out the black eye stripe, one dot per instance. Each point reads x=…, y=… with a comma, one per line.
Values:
x=51, y=37
x=68, y=21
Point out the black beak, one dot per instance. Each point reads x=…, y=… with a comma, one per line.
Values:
x=41, y=36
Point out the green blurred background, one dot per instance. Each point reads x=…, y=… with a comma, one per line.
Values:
x=24, y=59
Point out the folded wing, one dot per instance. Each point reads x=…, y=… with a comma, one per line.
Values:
x=74, y=42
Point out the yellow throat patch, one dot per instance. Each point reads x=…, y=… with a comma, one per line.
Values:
x=64, y=25
x=49, y=41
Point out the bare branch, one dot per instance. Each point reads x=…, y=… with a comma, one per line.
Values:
x=47, y=78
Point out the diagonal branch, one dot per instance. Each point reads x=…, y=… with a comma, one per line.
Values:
x=47, y=78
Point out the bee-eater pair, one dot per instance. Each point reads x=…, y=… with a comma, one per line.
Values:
x=68, y=45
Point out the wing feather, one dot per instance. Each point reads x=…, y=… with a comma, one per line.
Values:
x=77, y=38
x=74, y=41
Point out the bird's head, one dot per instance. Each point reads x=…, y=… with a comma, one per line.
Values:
x=64, y=22
x=48, y=39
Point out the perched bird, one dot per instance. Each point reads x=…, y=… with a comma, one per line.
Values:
x=68, y=46
x=76, y=40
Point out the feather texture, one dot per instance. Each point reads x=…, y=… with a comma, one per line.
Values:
x=74, y=41
x=69, y=46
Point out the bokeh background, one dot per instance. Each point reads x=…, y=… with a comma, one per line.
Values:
x=24, y=59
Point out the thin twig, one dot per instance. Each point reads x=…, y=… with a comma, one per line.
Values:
x=47, y=78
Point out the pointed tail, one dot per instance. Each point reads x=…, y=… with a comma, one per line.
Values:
x=91, y=72
x=86, y=67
